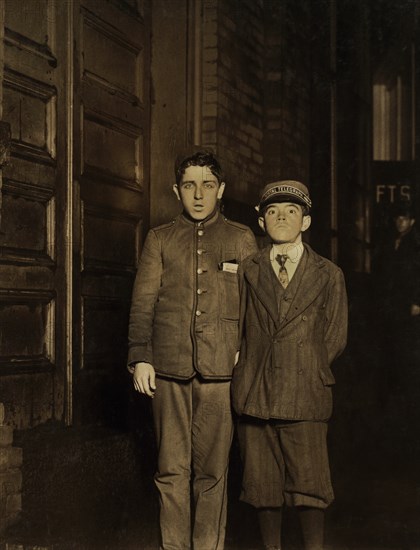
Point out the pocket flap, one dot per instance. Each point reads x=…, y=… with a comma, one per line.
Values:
x=327, y=377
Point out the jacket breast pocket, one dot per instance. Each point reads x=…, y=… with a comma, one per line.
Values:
x=228, y=292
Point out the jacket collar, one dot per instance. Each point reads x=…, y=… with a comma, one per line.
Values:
x=212, y=218
x=314, y=278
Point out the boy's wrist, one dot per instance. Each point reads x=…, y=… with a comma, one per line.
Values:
x=132, y=366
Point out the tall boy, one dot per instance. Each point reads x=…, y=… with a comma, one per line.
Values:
x=182, y=344
x=294, y=317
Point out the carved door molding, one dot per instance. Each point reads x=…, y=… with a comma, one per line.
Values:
x=75, y=200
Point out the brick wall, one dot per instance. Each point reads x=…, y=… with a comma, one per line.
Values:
x=256, y=90
x=233, y=52
x=287, y=89
x=10, y=476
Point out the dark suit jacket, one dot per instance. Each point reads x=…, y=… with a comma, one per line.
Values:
x=284, y=366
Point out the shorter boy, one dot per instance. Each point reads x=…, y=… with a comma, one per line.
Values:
x=294, y=319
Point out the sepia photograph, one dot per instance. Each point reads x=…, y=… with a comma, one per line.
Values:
x=209, y=275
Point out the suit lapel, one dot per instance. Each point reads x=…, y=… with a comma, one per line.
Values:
x=313, y=280
x=258, y=275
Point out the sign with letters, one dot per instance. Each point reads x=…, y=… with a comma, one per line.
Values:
x=392, y=193
x=394, y=182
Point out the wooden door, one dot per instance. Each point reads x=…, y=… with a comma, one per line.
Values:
x=111, y=136
x=74, y=204
x=34, y=215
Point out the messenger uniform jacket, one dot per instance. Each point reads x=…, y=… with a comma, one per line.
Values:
x=185, y=306
x=284, y=365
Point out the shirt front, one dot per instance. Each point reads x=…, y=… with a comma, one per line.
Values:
x=292, y=251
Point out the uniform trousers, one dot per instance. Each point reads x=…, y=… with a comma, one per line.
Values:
x=194, y=428
x=284, y=461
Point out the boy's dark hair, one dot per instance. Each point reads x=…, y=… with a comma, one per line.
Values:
x=200, y=157
x=405, y=209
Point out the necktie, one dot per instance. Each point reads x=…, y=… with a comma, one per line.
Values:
x=283, y=276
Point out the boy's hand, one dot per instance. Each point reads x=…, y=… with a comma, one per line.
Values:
x=144, y=378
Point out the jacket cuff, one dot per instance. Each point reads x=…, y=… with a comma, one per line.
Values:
x=140, y=353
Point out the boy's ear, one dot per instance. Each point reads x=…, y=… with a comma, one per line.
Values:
x=306, y=222
x=261, y=223
x=176, y=191
x=221, y=189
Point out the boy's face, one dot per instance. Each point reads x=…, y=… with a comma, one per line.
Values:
x=403, y=224
x=199, y=191
x=284, y=222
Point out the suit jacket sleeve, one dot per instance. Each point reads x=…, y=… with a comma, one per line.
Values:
x=337, y=317
x=249, y=245
x=145, y=293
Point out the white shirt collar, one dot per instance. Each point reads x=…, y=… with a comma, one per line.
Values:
x=293, y=251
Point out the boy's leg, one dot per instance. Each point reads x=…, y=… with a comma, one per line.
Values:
x=307, y=484
x=269, y=520
x=263, y=478
x=172, y=413
x=263, y=465
x=212, y=431
x=312, y=524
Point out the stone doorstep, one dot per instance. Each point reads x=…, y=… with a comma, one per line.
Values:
x=10, y=482
x=10, y=458
x=6, y=436
x=13, y=504
x=10, y=497
x=9, y=520
x=10, y=476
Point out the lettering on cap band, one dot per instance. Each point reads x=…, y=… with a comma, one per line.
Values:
x=286, y=190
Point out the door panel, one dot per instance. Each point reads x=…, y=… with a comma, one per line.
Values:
x=75, y=200
x=112, y=125
x=32, y=262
